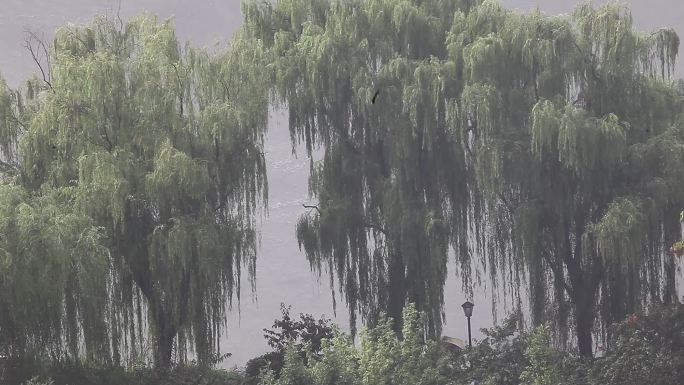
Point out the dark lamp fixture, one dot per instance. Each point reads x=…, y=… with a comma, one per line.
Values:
x=468, y=308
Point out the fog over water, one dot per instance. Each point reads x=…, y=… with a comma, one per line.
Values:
x=283, y=274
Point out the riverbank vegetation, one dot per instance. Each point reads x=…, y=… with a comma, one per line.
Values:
x=644, y=349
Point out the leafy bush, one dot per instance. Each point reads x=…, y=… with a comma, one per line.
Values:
x=306, y=331
x=645, y=349
x=499, y=359
x=68, y=372
x=305, y=336
x=382, y=358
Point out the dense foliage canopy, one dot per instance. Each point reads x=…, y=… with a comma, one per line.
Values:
x=540, y=149
x=131, y=175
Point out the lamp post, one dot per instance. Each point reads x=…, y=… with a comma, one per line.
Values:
x=468, y=310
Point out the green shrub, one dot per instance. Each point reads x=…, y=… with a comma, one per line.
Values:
x=645, y=349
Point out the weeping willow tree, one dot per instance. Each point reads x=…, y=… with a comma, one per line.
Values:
x=586, y=180
x=132, y=176
x=543, y=150
x=384, y=211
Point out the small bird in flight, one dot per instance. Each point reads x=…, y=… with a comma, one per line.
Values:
x=375, y=96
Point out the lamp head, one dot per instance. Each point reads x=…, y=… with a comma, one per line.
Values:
x=468, y=308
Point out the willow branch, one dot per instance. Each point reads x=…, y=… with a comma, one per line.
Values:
x=507, y=205
x=225, y=86
x=109, y=146
x=16, y=119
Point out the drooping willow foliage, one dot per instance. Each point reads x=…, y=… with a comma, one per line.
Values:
x=129, y=211
x=542, y=149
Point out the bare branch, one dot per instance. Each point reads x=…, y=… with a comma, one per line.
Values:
x=312, y=207
x=36, y=53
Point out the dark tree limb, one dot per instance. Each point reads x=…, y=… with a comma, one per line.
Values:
x=180, y=87
x=109, y=146
x=558, y=272
x=312, y=207
x=589, y=62
x=35, y=55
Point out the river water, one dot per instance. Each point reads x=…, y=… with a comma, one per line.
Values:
x=283, y=274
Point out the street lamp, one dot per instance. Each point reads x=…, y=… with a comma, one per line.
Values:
x=468, y=310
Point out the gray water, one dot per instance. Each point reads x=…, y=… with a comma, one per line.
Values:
x=283, y=273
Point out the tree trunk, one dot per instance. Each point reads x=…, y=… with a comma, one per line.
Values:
x=583, y=295
x=397, y=290
x=202, y=343
x=164, y=344
x=585, y=282
x=584, y=316
x=673, y=231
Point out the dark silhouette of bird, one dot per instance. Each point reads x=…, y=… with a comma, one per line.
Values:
x=375, y=96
